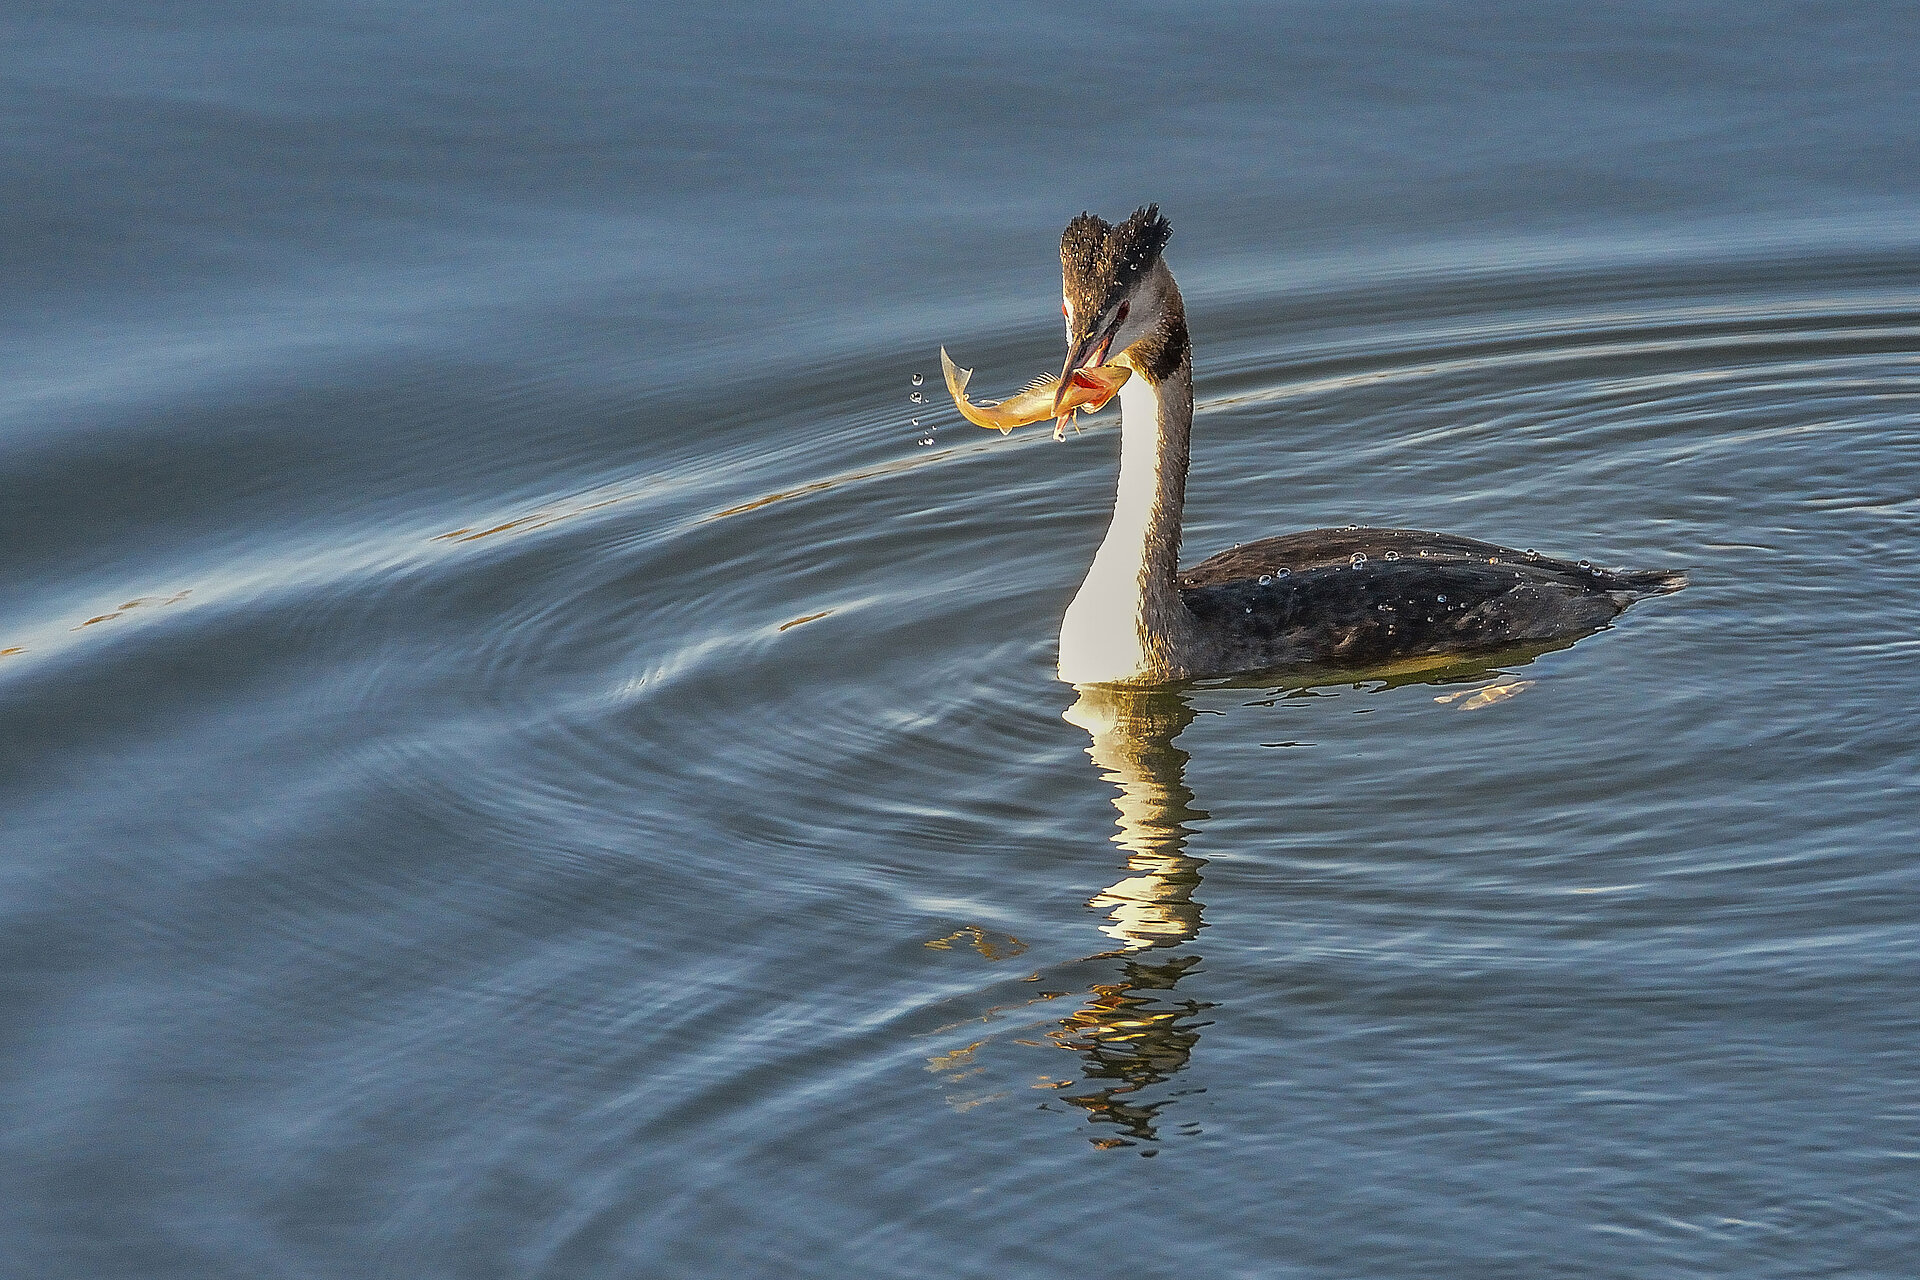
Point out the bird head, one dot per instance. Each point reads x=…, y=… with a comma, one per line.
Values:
x=1114, y=290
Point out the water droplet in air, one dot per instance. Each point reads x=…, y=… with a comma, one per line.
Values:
x=1391, y=555
x=1348, y=528
x=1359, y=558
x=918, y=397
x=1532, y=554
x=1266, y=579
x=916, y=422
x=1441, y=599
x=1586, y=564
x=917, y=379
x=1249, y=608
x=926, y=441
x=1595, y=571
x=1282, y=572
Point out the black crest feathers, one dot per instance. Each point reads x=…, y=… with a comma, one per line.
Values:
x=1099, y=262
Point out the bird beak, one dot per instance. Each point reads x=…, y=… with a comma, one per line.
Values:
x=1090, y=354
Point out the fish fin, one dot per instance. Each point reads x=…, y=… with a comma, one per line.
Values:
x=1040, y=383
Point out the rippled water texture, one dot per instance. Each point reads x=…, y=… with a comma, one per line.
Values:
x=515, y=761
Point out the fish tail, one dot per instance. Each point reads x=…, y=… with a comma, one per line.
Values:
x=957, y=377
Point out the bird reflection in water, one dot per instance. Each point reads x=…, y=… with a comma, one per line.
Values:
x=1131, y=1032
x=1135, y=1029
x=1134, y=1033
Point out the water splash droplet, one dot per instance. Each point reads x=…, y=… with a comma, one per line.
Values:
x=1441, y=599
x=1348, y=528
x=1586, y=564
x=1249, y=608
x=917, y=379
x=918, y=397
x=1532, y=554
x=1391, y=555
x=916, y=422
x=926, y=441
x=1266, y=579
x=1359, y=558
x=1282, y=572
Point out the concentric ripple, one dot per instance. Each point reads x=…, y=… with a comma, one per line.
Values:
x=573, y=866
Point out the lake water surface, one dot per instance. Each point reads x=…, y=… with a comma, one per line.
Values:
x=516, y=760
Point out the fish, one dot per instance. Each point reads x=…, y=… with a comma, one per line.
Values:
x=1088, y=389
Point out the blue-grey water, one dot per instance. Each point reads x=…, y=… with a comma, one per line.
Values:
x=517, y=761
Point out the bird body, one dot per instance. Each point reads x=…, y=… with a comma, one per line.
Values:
x=1365, y=597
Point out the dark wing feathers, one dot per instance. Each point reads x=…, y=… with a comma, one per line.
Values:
x=1300, y=598
x=1328, y=548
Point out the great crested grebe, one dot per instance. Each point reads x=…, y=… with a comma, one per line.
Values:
x=1353, y=596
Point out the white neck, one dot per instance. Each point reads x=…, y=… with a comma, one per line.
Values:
x=1128, y=621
